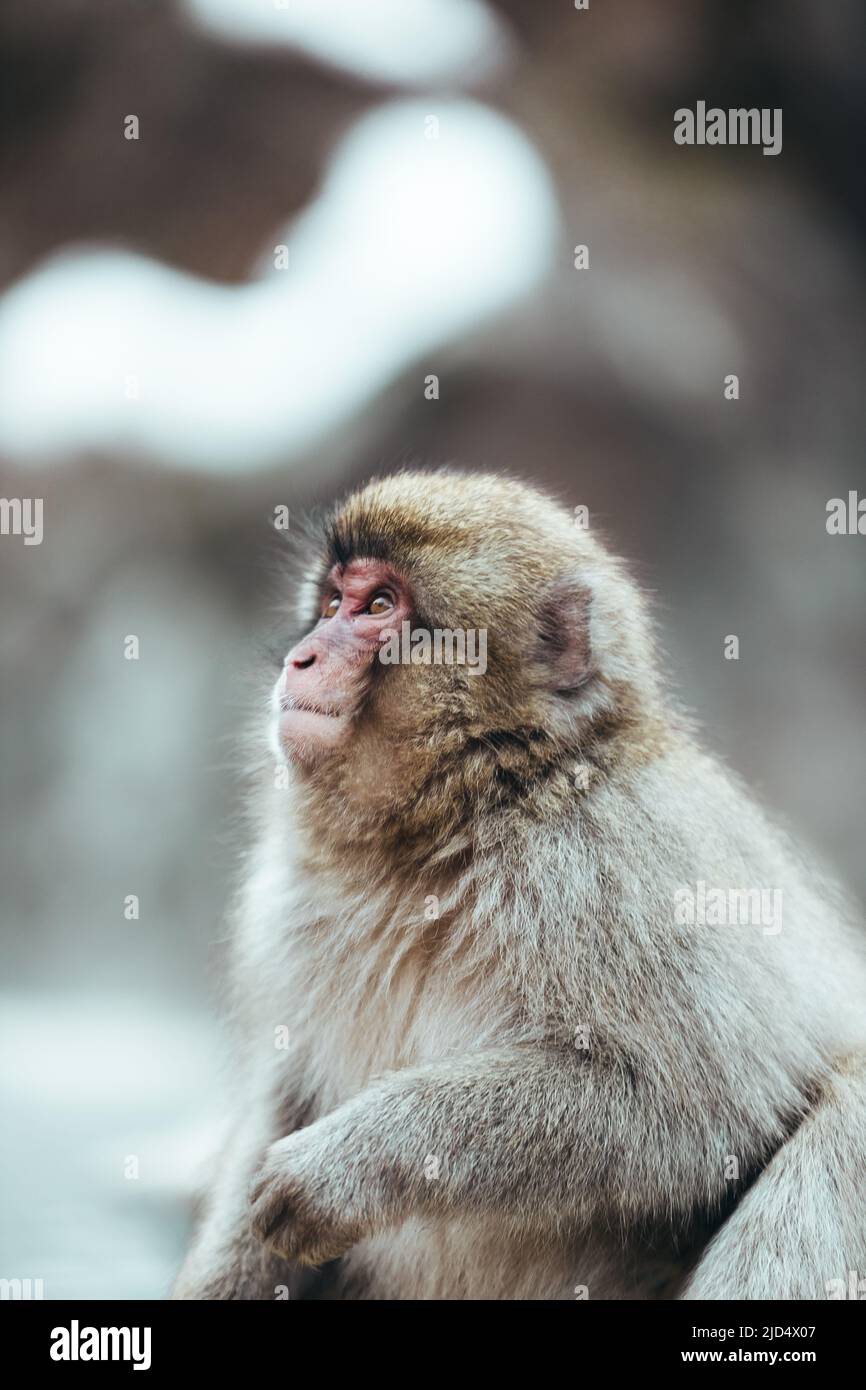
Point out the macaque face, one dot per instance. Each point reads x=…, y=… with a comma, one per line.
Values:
x=327, y=675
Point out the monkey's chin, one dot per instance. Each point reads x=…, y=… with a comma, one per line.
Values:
x=305, y=736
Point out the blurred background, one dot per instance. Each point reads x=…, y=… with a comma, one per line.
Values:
x=238, y=239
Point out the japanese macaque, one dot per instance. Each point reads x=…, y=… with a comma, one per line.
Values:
x=514, y=1019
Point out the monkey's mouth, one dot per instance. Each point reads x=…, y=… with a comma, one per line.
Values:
x=306, y=729
x=290, y=706
x=306, y=725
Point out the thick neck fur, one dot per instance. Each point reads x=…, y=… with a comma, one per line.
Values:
x=422, y=805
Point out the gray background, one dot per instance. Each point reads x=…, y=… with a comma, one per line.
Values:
x=606, y=385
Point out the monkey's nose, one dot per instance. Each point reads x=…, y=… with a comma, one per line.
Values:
x=300, y=657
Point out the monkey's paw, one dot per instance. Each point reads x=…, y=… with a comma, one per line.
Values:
x=299, y=1207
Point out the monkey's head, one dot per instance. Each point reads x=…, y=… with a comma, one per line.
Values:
x=467, y=645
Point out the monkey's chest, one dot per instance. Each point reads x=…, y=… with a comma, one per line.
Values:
x=360, y=1022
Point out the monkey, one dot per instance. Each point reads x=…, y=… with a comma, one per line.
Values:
x=519, y=1065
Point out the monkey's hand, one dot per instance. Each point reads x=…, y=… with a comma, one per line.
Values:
x=306, y=1198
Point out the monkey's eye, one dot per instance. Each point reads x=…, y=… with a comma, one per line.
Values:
x=333, y=605
x=380, y=604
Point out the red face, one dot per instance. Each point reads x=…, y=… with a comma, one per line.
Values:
x=326, y=676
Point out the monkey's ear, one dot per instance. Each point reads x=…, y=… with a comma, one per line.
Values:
x=562, y=646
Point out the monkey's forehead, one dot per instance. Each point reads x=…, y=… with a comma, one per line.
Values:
x=400, y=518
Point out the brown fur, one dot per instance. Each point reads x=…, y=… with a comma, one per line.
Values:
x=577, y=1067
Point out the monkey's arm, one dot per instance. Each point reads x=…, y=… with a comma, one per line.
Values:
x=528, y=1132
x=800, y=1230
